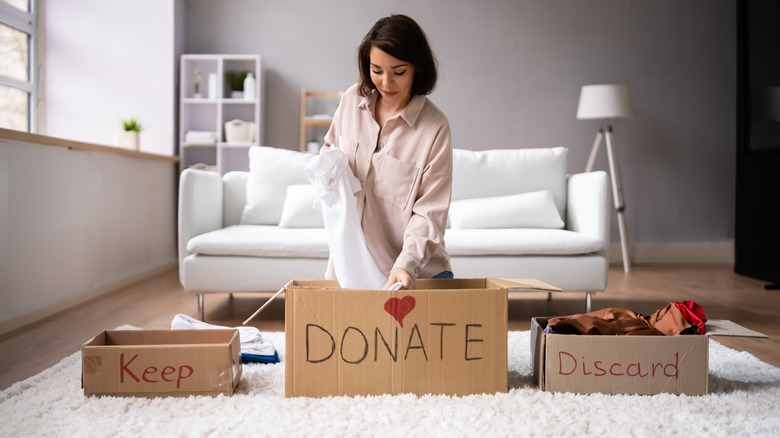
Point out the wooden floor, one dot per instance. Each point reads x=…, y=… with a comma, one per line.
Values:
x=152, y=304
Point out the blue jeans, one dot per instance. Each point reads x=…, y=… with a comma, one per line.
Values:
x=445, y=274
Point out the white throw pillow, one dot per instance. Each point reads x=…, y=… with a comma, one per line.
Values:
x=525, y=210
x=501, y=172
x=271, y=170
x=299, y=211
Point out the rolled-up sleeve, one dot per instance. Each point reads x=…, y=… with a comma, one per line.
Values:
x=424, y=233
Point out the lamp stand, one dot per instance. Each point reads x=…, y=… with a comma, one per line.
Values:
x=617, y=189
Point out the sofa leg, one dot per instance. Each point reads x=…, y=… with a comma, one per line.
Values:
x=201, y=307
x=588, y=296
x=549, y=296
x=231, y=295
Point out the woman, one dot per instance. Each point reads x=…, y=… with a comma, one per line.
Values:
x=399, y=146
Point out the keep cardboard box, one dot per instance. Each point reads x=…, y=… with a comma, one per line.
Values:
x=155, y=363
x=625, y=364
x=442, y=337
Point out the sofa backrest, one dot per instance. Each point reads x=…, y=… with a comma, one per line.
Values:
x=500, y=172
x=476, y=174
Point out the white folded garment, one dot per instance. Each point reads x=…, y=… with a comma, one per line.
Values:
x=203, y=136
x=252, y=341
x=336, y=186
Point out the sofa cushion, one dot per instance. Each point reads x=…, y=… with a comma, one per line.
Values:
x=271, y=170
x=525, y=241
x=298, y=210
x=500, y=172
x=262, y=241
x=273, y=241
x=525, y=210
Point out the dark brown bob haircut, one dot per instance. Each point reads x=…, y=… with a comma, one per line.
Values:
x=400, y=37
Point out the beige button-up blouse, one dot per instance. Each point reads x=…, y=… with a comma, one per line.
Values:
x=406, y=172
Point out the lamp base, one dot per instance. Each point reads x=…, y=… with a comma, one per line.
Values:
x=605, y=133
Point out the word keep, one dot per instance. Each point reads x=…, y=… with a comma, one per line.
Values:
x=152, y=374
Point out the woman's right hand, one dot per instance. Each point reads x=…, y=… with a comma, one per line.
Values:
x=399, y=275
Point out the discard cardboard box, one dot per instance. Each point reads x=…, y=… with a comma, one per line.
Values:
x=625, y=364
x=161, y=362
x=443, y=337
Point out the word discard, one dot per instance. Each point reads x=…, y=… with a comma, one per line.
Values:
x=568, y=365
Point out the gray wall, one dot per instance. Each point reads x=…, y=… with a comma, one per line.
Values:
x=510, y=75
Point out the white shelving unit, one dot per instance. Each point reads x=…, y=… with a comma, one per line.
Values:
x=210, y=111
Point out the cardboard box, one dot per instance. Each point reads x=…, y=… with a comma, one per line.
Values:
x=625, y=364
x=443, y=337
x=161, y=362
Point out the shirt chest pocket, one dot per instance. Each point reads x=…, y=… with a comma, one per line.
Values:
x=395, y=181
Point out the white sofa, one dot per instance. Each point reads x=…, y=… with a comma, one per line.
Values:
x=230, y=238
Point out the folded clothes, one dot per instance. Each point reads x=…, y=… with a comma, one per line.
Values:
x=252, y=341
x=256, y=358
x=209, y=134
x=683, y=318
x=200, y=137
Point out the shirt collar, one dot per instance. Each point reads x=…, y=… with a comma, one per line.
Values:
x=409, y=114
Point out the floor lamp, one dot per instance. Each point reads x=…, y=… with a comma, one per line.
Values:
x=607, y=102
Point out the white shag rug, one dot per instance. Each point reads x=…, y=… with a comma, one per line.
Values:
x=744, y=400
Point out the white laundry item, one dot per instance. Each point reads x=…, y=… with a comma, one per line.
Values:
x=252, y=341
x=201, y=134
x=336, y=186
x=200, y=137
x=396, y=286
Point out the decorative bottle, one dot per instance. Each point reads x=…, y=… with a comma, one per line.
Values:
x=249, y=87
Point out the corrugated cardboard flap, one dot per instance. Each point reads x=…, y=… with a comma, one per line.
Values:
x=722, y=327
x=525, y=285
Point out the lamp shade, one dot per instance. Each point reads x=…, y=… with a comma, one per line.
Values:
x=604, y=102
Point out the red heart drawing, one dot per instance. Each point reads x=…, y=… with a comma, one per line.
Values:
x=398, y=308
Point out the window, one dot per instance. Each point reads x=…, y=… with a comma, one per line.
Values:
x=18, y=82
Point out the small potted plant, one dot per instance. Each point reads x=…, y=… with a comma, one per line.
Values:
x=196, y=83
x=235, y=80
x=130, y=135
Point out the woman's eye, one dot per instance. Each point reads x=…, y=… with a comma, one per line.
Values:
x=400, y=73
x=376, y=72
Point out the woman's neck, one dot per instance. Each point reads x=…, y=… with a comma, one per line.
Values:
x=384, y=111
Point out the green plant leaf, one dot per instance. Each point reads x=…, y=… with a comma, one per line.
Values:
x=132, y=124
x=236, y=79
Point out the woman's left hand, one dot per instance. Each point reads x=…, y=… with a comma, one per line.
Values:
x=399, y=275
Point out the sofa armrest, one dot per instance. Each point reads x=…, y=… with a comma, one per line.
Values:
x=200, y=206
x=588, y=206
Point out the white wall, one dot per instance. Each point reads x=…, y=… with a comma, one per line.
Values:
x=511, y=72
x=73, y=223
x=76, y=224
x=107, y=61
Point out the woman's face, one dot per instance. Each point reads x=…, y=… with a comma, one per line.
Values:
x=392, y=77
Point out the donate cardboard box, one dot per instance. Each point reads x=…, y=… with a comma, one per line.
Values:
x=625, y=364
x=161, y=362
x=443, y=337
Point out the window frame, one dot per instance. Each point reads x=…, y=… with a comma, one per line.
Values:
x=26, y=22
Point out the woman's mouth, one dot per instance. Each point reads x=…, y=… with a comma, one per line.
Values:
x=389, y=93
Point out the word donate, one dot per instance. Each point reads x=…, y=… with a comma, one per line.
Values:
x=354, y=344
